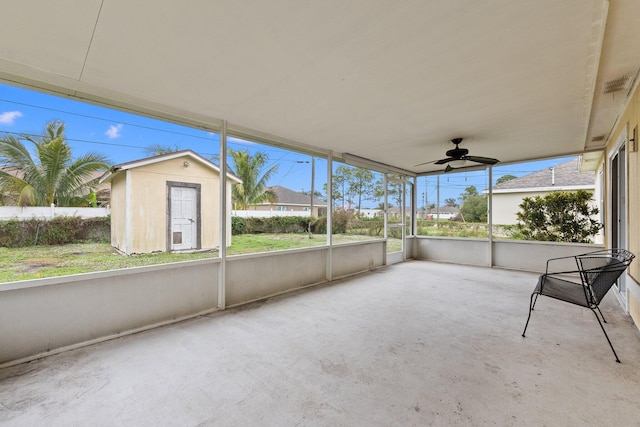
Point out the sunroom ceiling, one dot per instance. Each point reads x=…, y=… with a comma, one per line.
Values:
x=385, y=80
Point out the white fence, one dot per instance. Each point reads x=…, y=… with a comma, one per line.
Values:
x=267, y=214
x=44, y=212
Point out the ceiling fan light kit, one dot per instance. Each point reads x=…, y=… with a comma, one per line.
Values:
x=457, y=163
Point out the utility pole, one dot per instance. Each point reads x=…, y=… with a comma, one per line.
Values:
x=426, y=192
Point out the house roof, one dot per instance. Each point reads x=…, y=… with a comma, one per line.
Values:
x=286, y=196
x=108, y=176
x=444, y=209
x=565, y=175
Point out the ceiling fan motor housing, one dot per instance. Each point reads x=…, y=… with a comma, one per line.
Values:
x=457, y=152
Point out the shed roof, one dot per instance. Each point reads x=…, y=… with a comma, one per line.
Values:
x=563, y=175
x=108, y=176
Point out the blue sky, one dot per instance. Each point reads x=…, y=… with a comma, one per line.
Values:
x=123, y=137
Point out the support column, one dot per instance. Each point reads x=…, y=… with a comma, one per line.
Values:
x=222, y=251
x=329, y=273
x=490, y=215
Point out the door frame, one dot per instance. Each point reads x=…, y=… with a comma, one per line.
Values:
x=618, y=207
x=198, y=188
x=398, y=256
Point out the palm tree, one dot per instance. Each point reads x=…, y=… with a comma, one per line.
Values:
x=51, y=176
x=248, y=168
x=159, y=149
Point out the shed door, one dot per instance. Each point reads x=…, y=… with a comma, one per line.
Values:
x=184, y=218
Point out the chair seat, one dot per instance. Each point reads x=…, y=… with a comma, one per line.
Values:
x=565, y=290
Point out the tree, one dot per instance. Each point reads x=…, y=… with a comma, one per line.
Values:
x=158, y=149
x=51, y=176
x=340, y=186
x=470, y=191
x=451, y=202
x=361, y=185
x=560, y=216
x=394, y=191
x=474, y=206
x=505, y=178
x=316, y=194
x=249, y=169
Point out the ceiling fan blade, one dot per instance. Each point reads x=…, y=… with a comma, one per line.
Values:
x=425, y=163
x=483, y=160
x=443, y=161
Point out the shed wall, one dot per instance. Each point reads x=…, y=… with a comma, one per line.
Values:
x=149, y=202
x=118, y=213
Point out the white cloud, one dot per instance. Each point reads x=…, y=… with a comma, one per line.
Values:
x=8, y=117
x=114, y=131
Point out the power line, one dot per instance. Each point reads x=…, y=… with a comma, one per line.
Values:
x=33, y=135
x=87, y=116
x=234, y=141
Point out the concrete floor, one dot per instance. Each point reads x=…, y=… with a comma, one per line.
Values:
x=419, y=343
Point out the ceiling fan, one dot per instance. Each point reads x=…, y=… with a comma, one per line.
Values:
x=460, y=155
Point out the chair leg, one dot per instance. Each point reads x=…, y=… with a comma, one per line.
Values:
x=532, y=302
x=601, y=315
x=605, y=334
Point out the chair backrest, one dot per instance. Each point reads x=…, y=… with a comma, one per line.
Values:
x=601, y=269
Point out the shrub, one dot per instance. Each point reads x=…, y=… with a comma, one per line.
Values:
x=339, y=221
x=560, y=216
x=366, y=226
x=57, y=231
x=319, y=226
x=274, y=224
x=238, y=225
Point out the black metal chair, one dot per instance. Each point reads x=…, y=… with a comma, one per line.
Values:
x=597, y=272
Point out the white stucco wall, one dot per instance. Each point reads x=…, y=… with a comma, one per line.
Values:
x=46, y=316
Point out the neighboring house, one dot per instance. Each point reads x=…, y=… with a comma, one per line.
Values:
x=508, y=196
x=102, y=190
x=371, y=213
x=167, y=203
x=287, y=200
x=443, y=212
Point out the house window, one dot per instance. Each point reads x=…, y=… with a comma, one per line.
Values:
x=281, y=208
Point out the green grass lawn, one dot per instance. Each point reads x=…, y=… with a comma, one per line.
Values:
x=49, y=261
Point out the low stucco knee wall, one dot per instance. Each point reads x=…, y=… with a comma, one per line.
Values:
x=351, y=258
x=533, y=256
x=46, y=316
x=43, y=316
x=257, y=276
x=508, y=254
x=453, y=250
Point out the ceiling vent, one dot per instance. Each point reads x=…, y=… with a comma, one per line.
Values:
x=597, y=138
x=616, y=84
